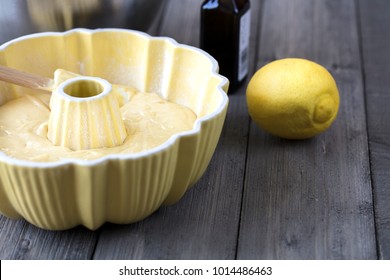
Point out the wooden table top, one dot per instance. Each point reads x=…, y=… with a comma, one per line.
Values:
x=263, y=197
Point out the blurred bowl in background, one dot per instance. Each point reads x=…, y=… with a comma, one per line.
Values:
x=29, y=16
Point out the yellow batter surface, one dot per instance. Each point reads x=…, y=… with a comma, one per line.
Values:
x=149, y=120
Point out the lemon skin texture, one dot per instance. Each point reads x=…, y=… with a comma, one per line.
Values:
x=293, y=98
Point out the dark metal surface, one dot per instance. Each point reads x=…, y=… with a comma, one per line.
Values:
x=19, y=17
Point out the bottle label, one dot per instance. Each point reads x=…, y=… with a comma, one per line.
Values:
x=243, y=60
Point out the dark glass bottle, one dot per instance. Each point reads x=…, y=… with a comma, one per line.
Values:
x=224, y=34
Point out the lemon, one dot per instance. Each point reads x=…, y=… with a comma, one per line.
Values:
x=293, y=98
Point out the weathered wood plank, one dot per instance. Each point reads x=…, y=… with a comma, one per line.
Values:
x=204, y=224
x=374, y=24
x=21, y=240
x=303, y=199
x=311, y=199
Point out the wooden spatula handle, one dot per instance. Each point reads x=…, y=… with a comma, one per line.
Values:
x=24, y=79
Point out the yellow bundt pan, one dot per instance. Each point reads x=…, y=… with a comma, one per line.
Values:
x=117, y=188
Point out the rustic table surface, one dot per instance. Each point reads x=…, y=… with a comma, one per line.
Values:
x=263, y=197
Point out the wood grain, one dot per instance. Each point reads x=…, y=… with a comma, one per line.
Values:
x=204, y=224
x=263, y=197
x=21, y=240
x=311, y=199
x=375, y=36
